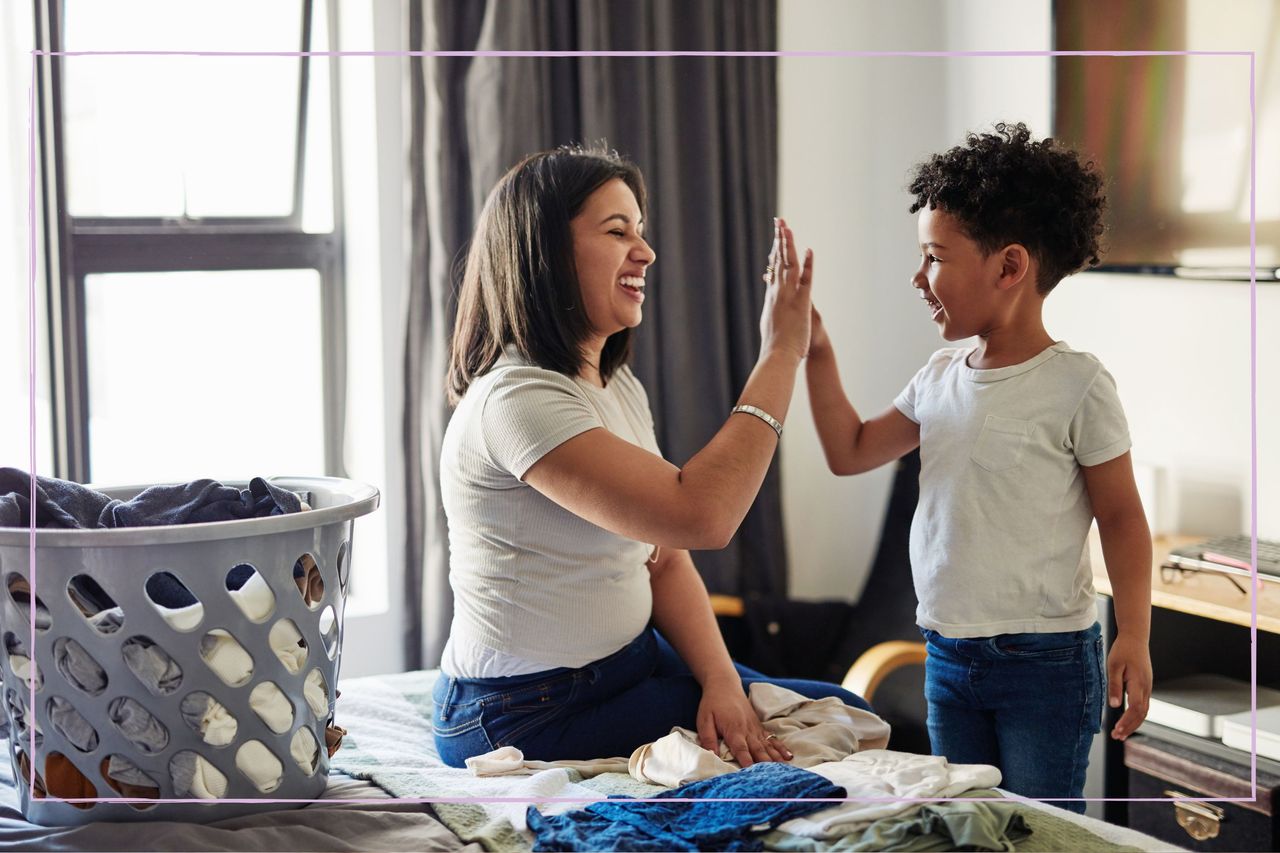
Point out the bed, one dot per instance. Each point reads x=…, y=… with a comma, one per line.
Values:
x=406, y=799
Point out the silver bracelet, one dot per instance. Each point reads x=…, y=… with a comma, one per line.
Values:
x=762, y=415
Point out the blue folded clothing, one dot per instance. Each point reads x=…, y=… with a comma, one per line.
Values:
x=711, y=825
x=70, y=506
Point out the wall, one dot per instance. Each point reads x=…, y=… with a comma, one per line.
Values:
x=850, y=128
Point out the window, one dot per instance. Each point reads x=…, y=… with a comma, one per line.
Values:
x=196, y=272
x=202, y=225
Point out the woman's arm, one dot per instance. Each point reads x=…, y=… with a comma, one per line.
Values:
x=682, y=614
x=1126, y=548
x=625, y=489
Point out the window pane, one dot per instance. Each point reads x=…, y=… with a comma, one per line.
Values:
x=16, y=42
x=172, y=135
x=209, y=374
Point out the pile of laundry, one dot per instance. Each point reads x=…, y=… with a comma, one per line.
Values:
x=61, y=504
x=64, y=505
x=842, y=790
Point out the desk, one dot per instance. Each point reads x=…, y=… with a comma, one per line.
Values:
x=1199, y=623
x=1202, y=594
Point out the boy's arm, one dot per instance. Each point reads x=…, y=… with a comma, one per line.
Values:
x=850, y=444
x=1126, y=548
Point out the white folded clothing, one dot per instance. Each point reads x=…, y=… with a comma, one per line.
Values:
x=303, y=748
x=260, y=765
x=814, y=730
x=255, y=598
x=288, y=645
x=182, y=618
x=226, y=657
x=509, y=761
x=269, y=703
x=317, y=696
x=677, y=759
x=883, y=783
x=217, y=726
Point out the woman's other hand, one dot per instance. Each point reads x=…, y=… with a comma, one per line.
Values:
x=726, y=714
x=784, y=322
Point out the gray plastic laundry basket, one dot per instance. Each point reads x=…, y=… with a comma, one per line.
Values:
x=76, y=567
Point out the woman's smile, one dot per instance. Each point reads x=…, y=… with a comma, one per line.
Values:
x=633, y=286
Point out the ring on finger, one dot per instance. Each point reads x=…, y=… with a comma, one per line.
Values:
x=770, y=737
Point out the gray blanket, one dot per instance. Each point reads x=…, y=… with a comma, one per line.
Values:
x=374, y=825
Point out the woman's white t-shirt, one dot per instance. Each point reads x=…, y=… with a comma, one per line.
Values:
x=536, y=587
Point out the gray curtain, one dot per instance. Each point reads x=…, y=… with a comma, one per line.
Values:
x=703, y=131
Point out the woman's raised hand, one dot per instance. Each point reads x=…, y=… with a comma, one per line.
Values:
x=785, y=320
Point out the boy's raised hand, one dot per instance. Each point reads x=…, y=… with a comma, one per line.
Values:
x=819, y=340
x=1129, y=675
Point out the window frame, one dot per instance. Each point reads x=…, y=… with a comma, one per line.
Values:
x=79, y=246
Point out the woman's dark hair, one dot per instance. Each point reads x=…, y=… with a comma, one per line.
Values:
x=1004, y=188
x=520, y=285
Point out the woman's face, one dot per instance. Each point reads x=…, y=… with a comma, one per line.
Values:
x=611, y=258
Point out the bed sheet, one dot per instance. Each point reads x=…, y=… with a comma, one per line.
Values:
x=389, y=742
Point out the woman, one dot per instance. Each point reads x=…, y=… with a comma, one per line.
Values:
x=568, y=531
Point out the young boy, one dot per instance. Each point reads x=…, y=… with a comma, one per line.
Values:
x=1023, y=443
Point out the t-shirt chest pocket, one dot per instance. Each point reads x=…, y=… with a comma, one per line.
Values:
x=1001, y=443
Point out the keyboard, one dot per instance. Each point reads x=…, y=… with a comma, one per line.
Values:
x=1232, y=552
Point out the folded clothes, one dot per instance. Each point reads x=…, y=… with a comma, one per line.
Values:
x=729, y=812
x=814, y=730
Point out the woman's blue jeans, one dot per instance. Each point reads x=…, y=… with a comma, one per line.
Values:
x=1028, y=703
x=606, y=708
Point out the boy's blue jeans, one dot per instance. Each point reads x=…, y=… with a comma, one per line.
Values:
x=1028, y=703
x=606, y=708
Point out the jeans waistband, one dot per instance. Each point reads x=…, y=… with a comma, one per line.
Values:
x=462, y=691
x=1001, y=645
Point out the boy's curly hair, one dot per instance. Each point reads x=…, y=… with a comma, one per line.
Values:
x=1004, y=188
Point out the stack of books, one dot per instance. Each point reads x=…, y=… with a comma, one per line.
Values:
x=1218, y=707
x=1237, y=731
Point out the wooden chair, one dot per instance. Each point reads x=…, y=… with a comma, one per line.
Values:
x=871, y=667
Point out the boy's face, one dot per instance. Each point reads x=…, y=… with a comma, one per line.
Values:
x=955, y=279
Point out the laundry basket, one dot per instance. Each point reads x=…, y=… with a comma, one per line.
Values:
x=140, y=693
